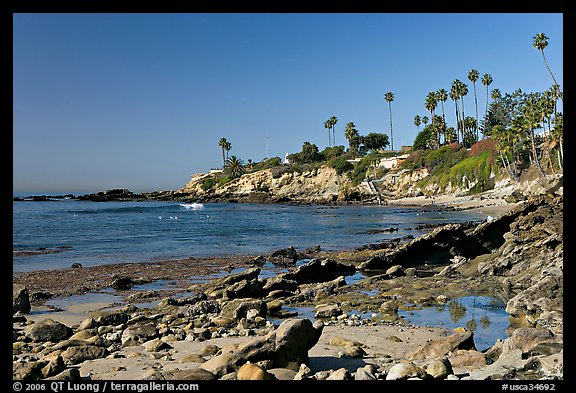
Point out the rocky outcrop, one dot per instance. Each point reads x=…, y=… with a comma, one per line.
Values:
x=278, y=185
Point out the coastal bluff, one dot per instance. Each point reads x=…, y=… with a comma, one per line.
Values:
x=280, y=185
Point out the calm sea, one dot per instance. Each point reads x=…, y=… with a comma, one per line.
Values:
x=93, y=233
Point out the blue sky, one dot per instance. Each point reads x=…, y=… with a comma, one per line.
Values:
x=139, y=101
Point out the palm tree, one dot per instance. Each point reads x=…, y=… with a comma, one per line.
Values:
x=454, y=97
x=487, y=81
x=333, y=121
x=496, y=95
x=473, y=77
x=425, y=120
x=235, y=167
x=389, y=97
x=352, y=135
x=463, y=91
x=327, y=125
x=430, y=104
x=417, y=122
x=540, y=43
x=442, y=96
x=228, y=147
x=223, y=143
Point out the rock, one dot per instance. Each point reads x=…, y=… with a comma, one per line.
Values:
x=192, y=358
x=289, y=254
x=279, y=283
x=442, y=346
x=122, y=283
x=29, y=371
x=113, y=318
x=439, y=368
x=244, y=289
x=210, y=350
x=203, y=307
x=76, y=266
x=344, y=342
x=285, y=346
x=237, y=308
x=317, y=271
x=436, y=247
x=54, y=367
x=20, y=299
x=342, y=374
x=467, y=358
x=282, y=374
x=328, y=310
x=405, y=371
x=193, y=374
x=138, y=334
x=77, y=355
x=88, y=323
x=395, y=271
x=389, y=307
x=253, y=372
x=526, y=339
x=362, y=374
x=156, y=345
x=48, y=330
x=70, y=374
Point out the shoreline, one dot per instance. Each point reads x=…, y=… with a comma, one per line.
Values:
x=190, y=316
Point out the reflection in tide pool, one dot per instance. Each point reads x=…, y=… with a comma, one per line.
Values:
x=485, y=316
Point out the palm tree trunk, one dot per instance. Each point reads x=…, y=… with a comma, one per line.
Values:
x=223, y=159
x=552, y=75
x=457, y=122
x=391, y=134
x=476, y=103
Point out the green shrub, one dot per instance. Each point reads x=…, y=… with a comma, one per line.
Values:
x=340, y=164
x=209, y=183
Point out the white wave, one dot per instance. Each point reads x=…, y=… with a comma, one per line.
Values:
x=192, y=206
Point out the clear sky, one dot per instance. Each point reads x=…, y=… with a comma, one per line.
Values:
x=139, y=101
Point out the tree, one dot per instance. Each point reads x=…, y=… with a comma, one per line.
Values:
x=223, y=143
x=309, y=152
x=235, y=167
x=454, y=97
x=473, y=77
x=540, y=43
x=442, y=96
x=353, y=137
x=228, y=147
x=417, y=122
x=328, y=125
x=487, y=81
x=425, y=120
x=389, y=97
x=333, y=121
x=424, y=139
x=374, y=141
x=462, y=92
x=430, y=104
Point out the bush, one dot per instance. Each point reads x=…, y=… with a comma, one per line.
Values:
x=485, y=145
x=209, y=183
x=340, y=164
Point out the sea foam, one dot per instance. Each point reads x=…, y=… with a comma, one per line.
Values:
x=192, y=206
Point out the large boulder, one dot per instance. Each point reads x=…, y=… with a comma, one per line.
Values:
x=441, y=347
x=287, y=346
x=20, y=299
x=48, y=330
x=317, y=271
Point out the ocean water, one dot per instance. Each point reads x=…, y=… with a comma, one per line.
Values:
x=95, y=233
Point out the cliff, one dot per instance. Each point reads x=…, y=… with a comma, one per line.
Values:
x=310, y=185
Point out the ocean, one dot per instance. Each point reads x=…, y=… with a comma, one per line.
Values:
x=96, y=233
